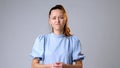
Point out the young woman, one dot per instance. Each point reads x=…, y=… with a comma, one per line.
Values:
x=58, y=49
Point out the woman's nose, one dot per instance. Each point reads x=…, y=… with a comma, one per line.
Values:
x=58, y=20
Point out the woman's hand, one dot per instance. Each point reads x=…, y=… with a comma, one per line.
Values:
x=78, y=64
x=58, y=65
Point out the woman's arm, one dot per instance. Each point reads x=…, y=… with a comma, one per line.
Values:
x=36, y=64
x=78, y=64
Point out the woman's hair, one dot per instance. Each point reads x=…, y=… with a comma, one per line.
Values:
x=66, y=30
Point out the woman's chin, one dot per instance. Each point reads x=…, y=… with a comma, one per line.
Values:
x=58, y=29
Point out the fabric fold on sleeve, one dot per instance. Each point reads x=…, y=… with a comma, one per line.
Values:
x=38, y=48
x=77, y=55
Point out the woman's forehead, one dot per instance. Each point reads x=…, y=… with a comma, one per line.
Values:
x=57, y=11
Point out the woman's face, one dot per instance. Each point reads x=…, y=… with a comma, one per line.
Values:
x=57, y=19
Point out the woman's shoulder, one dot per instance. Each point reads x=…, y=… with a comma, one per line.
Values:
x=42, y=36
x=73, y=37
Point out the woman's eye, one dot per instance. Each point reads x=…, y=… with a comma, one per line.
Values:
x=61, y=17
x=53, y=18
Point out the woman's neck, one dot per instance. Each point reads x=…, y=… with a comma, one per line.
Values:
x=58, y=32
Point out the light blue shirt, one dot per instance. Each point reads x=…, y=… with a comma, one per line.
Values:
x=51, y=48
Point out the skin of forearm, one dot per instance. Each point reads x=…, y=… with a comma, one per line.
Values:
x=36, y=65
x=78, y=64
x=73, y=66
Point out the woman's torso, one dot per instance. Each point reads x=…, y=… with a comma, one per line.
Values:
x=58, y=48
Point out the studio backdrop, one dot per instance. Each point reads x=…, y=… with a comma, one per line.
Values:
x=95, y=22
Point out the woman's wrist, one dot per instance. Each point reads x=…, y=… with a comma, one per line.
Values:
x=72, y=66
x=48, y=65
x=45, y=66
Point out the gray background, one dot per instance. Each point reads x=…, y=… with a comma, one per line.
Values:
x=95, y=22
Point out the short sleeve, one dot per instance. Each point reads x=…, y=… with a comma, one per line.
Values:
x=38, y=48
x=77, y=55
